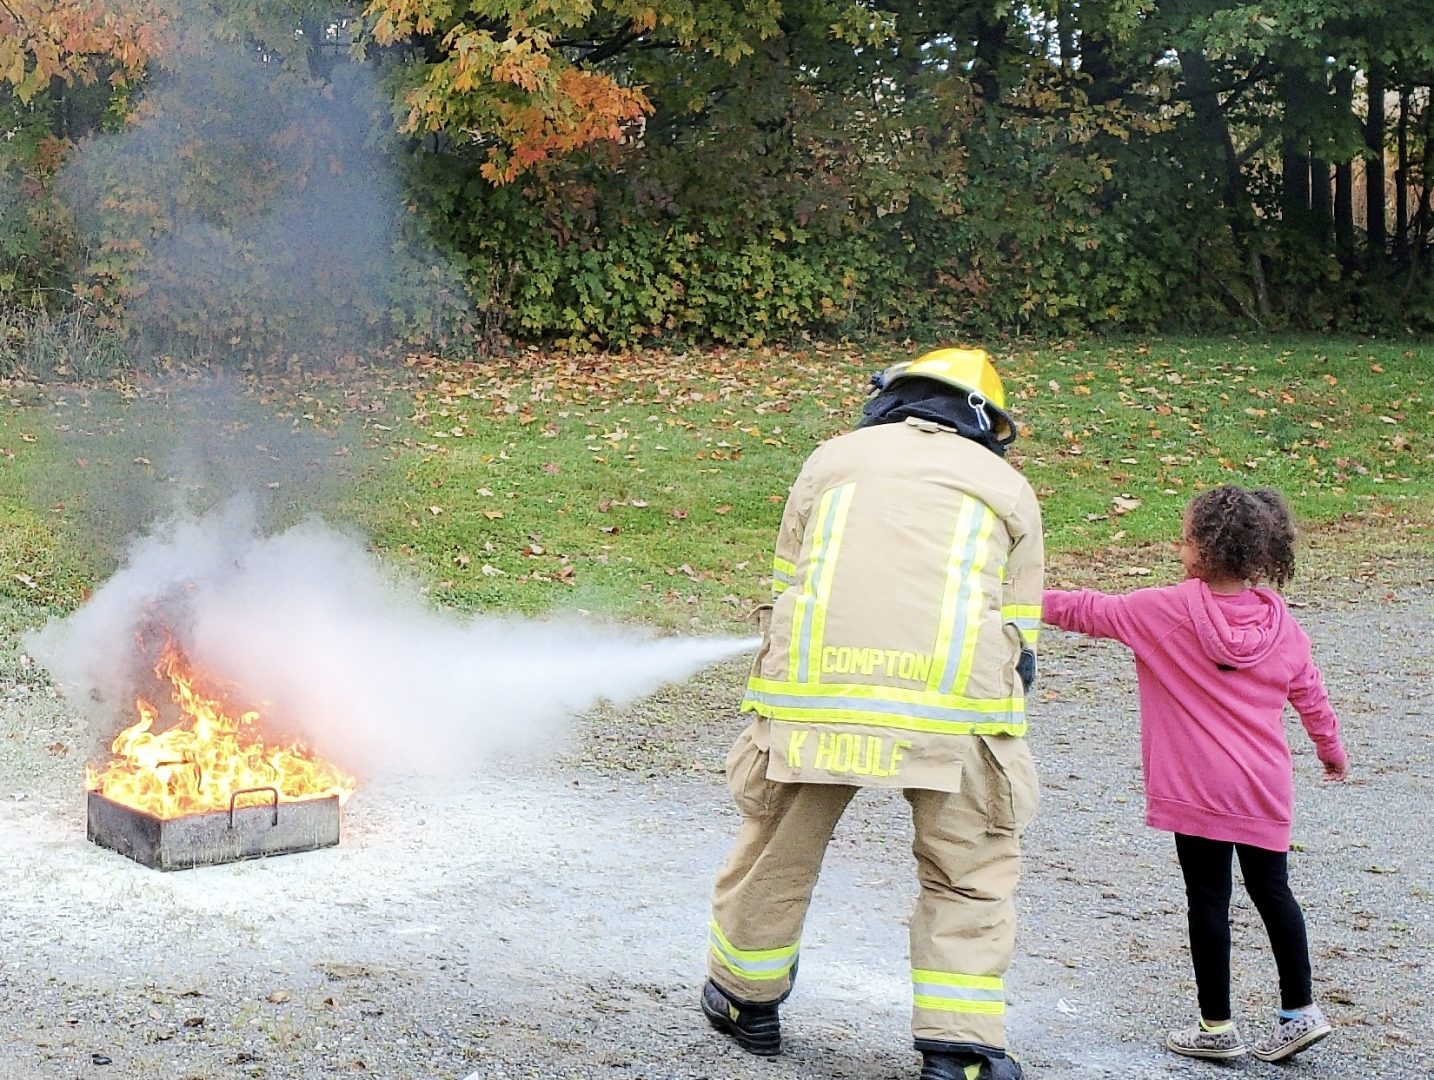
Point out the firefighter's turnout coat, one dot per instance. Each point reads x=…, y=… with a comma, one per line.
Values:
x=907, y=577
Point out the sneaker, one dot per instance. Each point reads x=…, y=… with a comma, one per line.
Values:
x=754, y=1026
x=1196, y=1042
x=1289, y=1037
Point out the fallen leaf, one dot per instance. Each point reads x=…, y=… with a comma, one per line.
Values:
x=278, y=997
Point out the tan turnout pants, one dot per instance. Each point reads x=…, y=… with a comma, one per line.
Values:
x=967, y=848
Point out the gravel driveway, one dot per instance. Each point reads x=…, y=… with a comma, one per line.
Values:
x=548, y=919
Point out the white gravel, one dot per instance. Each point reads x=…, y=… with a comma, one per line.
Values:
x=549, y=920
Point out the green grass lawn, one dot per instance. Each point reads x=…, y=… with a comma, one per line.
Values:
x=649, y=486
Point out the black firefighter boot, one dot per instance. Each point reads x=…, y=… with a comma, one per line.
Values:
x=966, y=1061
x=754, y=1026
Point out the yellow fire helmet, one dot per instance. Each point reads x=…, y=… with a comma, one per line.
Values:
x=965, y=369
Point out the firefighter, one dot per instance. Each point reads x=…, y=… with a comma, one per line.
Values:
x=896, y=653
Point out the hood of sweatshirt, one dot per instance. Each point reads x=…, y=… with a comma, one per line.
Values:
x=1239, y=630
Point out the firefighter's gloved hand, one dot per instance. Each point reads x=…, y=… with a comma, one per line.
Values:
x=1026, y=669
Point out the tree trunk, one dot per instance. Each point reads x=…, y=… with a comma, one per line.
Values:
x=321, y=60
x=1096, y=61
x=1344, y=173
x=1215, y=134
x=1321, y=199
x=1401, y=181
x=1422, y=219
x=1375, y=211
x=992, y=32
x=1065, y=35
x=1295, y=203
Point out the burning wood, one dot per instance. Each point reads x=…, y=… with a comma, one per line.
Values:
x=207, y=758
x=209, y=789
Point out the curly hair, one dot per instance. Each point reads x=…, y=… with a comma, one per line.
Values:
x=1243, y=533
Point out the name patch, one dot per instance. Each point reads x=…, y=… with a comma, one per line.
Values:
x=842, y=753
x=893, y=663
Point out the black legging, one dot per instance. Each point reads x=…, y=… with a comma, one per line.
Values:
x=1206, y=866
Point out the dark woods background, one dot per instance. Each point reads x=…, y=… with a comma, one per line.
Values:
x=280, y=182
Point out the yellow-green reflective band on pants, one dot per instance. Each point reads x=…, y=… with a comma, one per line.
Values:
x=758, y=965
x=947, y=991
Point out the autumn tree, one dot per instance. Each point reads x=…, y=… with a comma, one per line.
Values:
x=41, y=40
x=524, y=83
x=603, y=172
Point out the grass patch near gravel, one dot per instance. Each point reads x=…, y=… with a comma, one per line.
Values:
x=650, y=486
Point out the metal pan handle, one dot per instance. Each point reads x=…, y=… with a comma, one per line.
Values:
x=273, y=794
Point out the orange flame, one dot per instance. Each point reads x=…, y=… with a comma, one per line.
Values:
x=199, y=764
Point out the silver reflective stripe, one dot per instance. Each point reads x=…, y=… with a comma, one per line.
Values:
x=1029, y=628
x=957, y=993
x=813, y=597
x=756, y=964
x=967, y=621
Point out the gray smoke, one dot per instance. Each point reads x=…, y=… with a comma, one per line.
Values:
x=256, y=210
x=311, y=629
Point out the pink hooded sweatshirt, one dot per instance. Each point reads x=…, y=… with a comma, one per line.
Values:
x=1215, y=672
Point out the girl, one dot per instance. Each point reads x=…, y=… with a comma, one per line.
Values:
x=1216, y=659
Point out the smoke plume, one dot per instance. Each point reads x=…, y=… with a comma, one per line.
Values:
x=254, y=207
x=313, y=631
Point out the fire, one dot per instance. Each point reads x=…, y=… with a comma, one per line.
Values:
x=199, y=763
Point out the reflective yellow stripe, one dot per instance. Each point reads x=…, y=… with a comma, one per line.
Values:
x=817, y=627
x=1026, y=618
x=962, y=598
x=884, y=706
x=951, y=591
x=757, y=965
x=784, y=575
x=975, y=603
x=947, y=991
x=809, y=612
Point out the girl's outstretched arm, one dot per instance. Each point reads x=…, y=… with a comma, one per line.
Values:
x=1090, y=612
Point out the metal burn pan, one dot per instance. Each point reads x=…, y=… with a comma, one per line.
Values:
x=220, y=836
